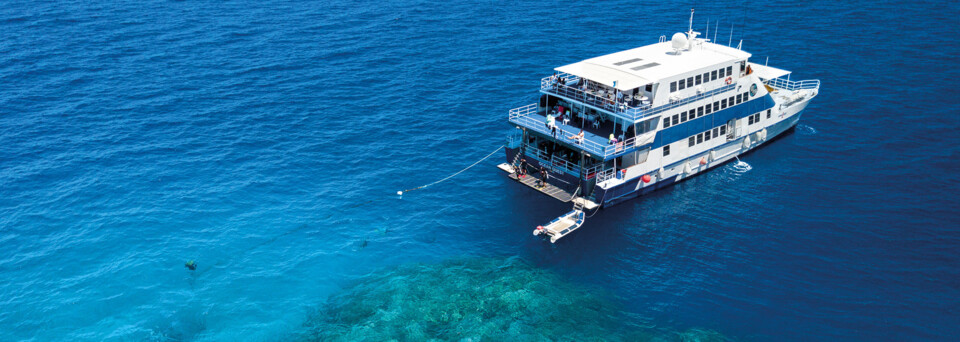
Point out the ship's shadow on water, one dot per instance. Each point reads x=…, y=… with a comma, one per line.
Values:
x=477, y=299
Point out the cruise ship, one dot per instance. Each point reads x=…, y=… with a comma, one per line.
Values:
x=615, y=127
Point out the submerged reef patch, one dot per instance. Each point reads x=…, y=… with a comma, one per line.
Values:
x=472, y=300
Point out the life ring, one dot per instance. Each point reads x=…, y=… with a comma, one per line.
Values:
x=729, y=80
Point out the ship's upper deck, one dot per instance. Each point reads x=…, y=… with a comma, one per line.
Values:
x=652, y=63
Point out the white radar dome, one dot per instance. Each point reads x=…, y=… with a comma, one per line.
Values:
x=679, y=41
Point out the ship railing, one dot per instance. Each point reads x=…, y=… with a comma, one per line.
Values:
x=522, y=116
x=606, y=174
x=554, y=163
x=638, y=113
x=634, y=113
x=551, y=84
x=786, y=84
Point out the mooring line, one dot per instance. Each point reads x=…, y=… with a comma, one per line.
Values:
x=192, y=264
x=453, y=175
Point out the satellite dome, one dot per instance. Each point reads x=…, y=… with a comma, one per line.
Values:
x=679, y=41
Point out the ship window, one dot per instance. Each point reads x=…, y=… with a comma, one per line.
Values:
x=690, y=81
x=673, y=86
x=723, y=103
x=746, y=96
x=683, y=84
x=666, y=122
x=700, y=138
x=716, y=131
x=666, y=150
x=683, y=117
x=730, y=70
x=700, y=111
x=713, y=75
x=699, y=80
x=692, y=141
x=649, y=88
x=721, y=73
x=768, y=113
x=716, y=106
x=758, y=118
x=723, y=129
x=706, y=77
x=739, y=98
x=709, y=109
x=676, y=119
x=750, y=120
x=730, y=101
x=706, y=136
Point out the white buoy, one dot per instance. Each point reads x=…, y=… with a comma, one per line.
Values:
x=399, y=193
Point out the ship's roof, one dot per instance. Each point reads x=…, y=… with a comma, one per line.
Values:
x=768, y=72
x=649, y=64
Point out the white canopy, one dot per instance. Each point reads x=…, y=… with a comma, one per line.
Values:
x=767, y=72
x=652, y=63
x=604, y=75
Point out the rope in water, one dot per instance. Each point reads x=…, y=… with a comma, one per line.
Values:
x=453, y=175
x=192, y=265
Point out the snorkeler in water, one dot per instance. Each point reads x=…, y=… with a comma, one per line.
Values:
x=191, y=265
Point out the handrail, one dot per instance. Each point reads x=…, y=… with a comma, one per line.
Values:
x=639, y=113
x=784, y=84
x=522, y=116
x=552, y=161
x=550, y=83
x=606, y=174
x=634, y=113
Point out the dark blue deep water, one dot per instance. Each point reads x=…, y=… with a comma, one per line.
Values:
x=251, y=136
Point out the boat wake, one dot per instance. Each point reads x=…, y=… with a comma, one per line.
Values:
x=806, y=130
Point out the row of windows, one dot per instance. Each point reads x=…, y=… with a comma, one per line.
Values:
x=691, y=81
x=707, y=135
x=697, y=112
x=755, y=118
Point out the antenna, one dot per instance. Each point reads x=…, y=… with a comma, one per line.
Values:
x=691, y=21
x=729, y=42
x=715, y=31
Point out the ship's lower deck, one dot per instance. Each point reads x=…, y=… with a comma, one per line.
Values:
x=613, y=191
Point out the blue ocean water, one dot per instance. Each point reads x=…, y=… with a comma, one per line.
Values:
x=266, y=140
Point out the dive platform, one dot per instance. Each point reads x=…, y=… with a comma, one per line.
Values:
x=566, y=223
x=548, y=189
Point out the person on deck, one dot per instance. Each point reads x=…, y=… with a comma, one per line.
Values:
x=543, y=177
x=613, y=140
x=577, y=137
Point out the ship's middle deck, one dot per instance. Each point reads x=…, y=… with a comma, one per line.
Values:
x=596, y=136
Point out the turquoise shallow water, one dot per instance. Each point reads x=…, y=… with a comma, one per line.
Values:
x=252, y=137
